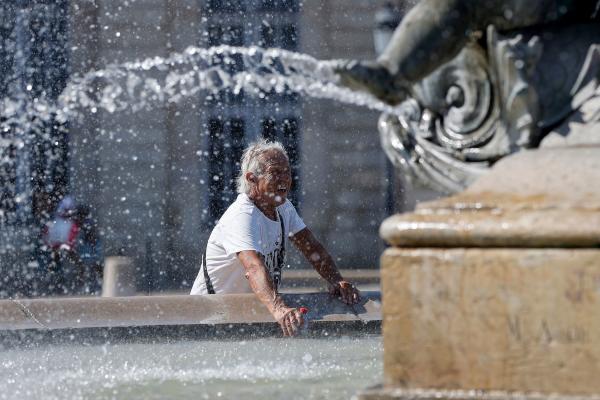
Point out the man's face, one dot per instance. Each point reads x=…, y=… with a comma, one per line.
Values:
x=274, y=182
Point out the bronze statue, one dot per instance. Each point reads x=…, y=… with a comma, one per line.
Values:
x=478, y=80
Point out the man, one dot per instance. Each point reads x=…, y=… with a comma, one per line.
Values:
x=246, y=249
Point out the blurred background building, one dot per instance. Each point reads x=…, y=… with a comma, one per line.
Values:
x=158, y=179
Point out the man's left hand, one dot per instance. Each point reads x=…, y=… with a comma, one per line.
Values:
x=346, y=291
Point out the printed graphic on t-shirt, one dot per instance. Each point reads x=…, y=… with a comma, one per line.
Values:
x=274, y=263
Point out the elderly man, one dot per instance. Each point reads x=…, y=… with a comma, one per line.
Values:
x=246, y=249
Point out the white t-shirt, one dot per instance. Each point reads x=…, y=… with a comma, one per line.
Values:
x=244, y=227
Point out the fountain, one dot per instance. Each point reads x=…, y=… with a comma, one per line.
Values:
x=186, y=346
x=491, y=292
x=477, y=303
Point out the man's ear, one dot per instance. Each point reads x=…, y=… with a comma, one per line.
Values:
x=250, y=177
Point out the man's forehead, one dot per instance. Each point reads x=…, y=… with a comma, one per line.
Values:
x=277, y=164
x=274, y=158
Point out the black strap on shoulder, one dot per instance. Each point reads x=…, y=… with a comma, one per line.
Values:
x=280, y=257
x=207, y=281
x=282, y=234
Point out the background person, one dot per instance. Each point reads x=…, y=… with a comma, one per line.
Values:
x=246, y=249
x=89, y=252
x=59, y=237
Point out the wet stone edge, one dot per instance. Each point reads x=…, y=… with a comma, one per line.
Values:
x=153, y=334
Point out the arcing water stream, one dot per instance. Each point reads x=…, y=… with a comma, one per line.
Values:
x=127, y=86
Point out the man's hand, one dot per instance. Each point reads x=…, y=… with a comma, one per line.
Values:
x=346, y=291
x=290, y=320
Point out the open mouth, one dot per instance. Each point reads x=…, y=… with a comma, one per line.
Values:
x=281, y=193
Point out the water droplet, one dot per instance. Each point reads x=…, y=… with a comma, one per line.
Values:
x=307, y=358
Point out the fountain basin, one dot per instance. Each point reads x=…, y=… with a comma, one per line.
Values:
x=157, y=347
x=90, y=320
x=262, y=368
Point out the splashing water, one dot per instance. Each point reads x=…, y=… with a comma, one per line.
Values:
x=31, y=125
x=299, y=369
x=125, y=87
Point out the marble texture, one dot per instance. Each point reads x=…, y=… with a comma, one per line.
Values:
x=494, y=292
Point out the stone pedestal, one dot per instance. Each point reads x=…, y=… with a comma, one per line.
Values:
x=119, y=277
x=495, y=292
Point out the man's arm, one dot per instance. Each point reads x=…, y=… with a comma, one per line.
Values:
x=290, y=319
x=323, y=263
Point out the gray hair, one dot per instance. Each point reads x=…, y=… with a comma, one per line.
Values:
x=253, y=161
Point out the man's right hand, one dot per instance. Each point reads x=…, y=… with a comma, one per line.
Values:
x=290, y=320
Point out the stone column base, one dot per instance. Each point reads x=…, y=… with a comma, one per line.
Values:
x=492, y=319
x=381, y=393
x=495, y=292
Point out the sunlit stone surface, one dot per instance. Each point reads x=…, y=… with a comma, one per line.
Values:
x=496, y=289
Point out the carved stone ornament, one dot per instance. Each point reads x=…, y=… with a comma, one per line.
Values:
x=485, y=104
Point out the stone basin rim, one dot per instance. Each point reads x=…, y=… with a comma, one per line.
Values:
x=27, y=323
x=546, y=198
x=577, y=229
x=176, y=310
